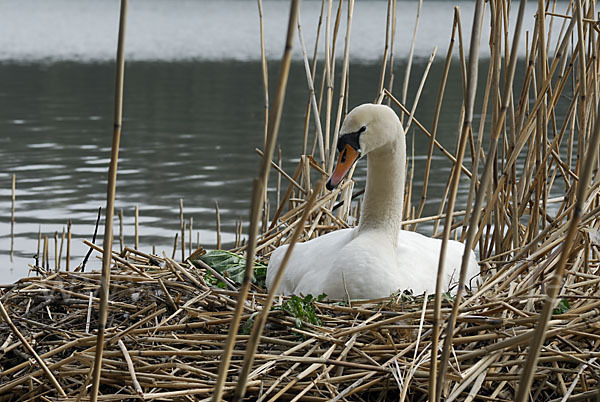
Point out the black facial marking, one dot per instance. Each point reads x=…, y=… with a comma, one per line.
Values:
x=351, y=139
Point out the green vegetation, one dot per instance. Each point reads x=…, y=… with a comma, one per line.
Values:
x=232, y=266
x=302, y=309
x=562, y=307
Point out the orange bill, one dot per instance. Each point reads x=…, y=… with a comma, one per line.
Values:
x=347, y=157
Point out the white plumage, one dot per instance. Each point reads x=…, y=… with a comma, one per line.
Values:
x=376, y=258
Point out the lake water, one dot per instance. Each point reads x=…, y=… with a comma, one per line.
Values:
x=193, y=111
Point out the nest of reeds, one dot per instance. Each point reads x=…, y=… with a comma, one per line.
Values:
x=168, y=323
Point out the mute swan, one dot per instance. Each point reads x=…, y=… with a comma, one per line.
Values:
x=376, y=258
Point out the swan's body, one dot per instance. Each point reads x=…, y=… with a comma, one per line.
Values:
x=376, y=258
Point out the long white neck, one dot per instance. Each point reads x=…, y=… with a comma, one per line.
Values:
x=384, y=193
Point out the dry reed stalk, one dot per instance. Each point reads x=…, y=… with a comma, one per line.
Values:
x=87, y=255
x=342, y=94
x=182, y=228
x=258, y=191
x=110, y=199
x=410, y=56
x=420, y=89
x=436, y=115
x=68, y=257
x=237, y=234
x=313, y=73
x=89, y=315
x=45, y=258
x=527, y=126
x=136, y=217
x=264, y=70
x=311, y=94
x=175, y=245
x=56, y=251
x=220, y=277
x=39, y=243
x=136, y=384
x=391, y=75
x=542, y=117
x=12, y=216
x=218, y=221
x=190, y=240
x=328, y=78
x=121, y=238
x=280, y=168
x=286, y=197
x=474, y=186
x=384, y=58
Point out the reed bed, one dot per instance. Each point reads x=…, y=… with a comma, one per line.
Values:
x=167, y=326
x=526, y=150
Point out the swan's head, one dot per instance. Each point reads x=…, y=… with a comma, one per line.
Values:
x=366, y=128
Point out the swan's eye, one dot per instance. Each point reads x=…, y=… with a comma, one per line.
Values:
x=362, y=129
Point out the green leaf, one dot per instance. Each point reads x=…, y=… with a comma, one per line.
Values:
x=233, y=266
x=302, y=309
x=212, y=280
x=246, y=328
x=448, y=297
x=562, y=307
